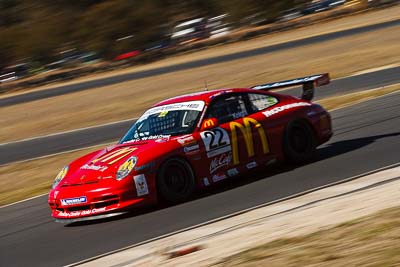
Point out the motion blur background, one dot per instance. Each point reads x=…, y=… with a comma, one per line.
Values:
x=43, y=35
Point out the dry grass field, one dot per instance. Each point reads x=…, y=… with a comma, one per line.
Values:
x=127, y=100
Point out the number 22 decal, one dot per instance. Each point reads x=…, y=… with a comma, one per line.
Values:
x=216, y=141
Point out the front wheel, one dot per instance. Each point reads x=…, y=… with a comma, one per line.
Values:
x=175, y=180
x=299, y=142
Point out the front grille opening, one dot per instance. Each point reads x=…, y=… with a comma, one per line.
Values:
x=66, y=185
x=104, y=198
x=110, y=200
x=78, y=184
x=106, y=203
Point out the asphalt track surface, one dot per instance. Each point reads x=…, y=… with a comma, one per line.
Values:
x=367, y=137
x=88, y=137
x=61, y=90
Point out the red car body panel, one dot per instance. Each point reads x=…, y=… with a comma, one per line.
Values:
x=90, y=187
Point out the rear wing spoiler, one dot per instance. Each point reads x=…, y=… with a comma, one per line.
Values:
x=308, y=83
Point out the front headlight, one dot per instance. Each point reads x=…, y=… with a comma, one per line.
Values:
x=126, y=168
x=60, y=176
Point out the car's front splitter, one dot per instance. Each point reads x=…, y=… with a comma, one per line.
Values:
x=90, y=218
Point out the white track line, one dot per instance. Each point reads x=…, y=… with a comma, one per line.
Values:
x=20, y=201
x=59, y=153
x=365, y=99
x=116, y=122
x=65, y=132
x=385, y=67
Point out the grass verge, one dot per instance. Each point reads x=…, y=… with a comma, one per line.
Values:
x=127, y=100
x=368, y=241
x=30, y=178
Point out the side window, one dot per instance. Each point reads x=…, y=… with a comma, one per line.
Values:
x=228, y=108
x=259, y=102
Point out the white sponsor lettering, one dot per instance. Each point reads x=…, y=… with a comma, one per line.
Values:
x=81, y=213
x=141, y=185
x=186, y=139
x=158, y=138
x=73, y=201
x=190, y=105
x=69, y=214
x=206, y=182
x=94, y=167
x=251, y=165
x=218, y=177
x=276, y=110
x=220, y=161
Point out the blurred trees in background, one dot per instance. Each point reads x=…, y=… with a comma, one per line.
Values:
x=37, y=30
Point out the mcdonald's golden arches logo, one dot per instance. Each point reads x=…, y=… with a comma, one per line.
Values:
x=208, y=123
x=245, y=129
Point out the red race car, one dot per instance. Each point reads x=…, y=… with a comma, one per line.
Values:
x=191, y=142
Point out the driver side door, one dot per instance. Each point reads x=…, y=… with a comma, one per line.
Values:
x=222, y=146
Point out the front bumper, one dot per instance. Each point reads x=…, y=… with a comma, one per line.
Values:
x=89, y=218
x=95, y=200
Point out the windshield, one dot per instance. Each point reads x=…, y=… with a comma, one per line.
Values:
x=168, y=120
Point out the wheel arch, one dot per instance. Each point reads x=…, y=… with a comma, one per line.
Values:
x=163, y=162
x=288, y=154
x=303, y=120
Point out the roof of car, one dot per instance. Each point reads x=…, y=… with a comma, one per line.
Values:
x=205, y=96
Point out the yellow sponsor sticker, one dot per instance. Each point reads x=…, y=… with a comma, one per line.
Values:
x=163, y=114
x=246, y=130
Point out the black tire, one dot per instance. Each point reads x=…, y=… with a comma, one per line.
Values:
x=299, y=142
x=175, y=180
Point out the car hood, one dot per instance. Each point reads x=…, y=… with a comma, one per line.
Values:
x=104, y=163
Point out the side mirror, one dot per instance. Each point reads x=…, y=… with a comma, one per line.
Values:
x=209, y=124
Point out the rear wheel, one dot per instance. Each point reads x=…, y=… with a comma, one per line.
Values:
x=175, y=180
x=299, y=142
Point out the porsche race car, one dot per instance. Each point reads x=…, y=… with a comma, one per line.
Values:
x=191, y=142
